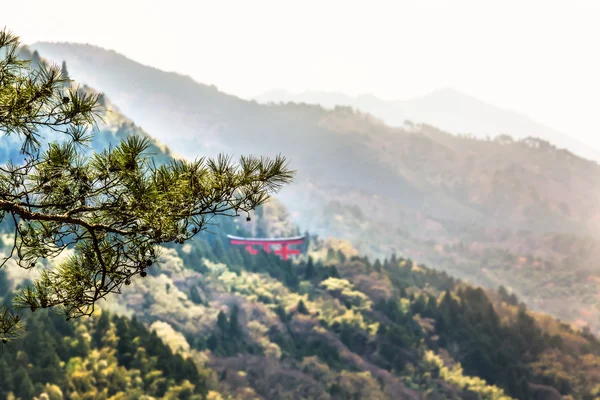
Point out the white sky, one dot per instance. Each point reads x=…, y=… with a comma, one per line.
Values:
x=541, y=58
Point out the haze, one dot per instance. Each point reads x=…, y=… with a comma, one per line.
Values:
x=535, y=57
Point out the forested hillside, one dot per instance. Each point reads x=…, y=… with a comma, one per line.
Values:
x=518, y=213
x=329, y=326
x=103, y=357
x=212, y=321
x=448, y=109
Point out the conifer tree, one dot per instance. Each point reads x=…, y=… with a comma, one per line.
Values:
x=6, y=379
x=102, y=328
x=220, y=253
x=4, y=283
x=113, y=208
x=310, y=269
x=25, y=388
x=377, y=266
x=195, y=295
x=36, y=60
x=222, y=321
x=331, y=254
x=301, y=308
x=234, y=323
x=64, y=73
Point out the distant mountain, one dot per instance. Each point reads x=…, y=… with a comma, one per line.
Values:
x=347, y=154
x=519, y=213
x=447, y=109
x=212, y=321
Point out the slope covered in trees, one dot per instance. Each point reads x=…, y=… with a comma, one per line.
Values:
x=336, y=326
x=102, y=357
x=333, y=326
x=520, y=213
x=108, y=210
x=448, y=109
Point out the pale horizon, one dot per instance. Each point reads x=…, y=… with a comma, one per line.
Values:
x=536, y=57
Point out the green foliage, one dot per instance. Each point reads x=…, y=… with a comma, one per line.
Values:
x=498, y=357
x=64, y=73
x=36, y=60
x=507, y=297
x=276, y=330
x=432, y=158
x=195, y=295
x=85, y=359
x=309, y=271
x=4, y=283
x=297, y=346
x=301, y=308
x=455, y=376
x=472, y=327
x=113, y=207
x=351, y=329
x=228, y=338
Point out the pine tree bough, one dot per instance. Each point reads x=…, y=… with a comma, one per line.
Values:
x=113, y=208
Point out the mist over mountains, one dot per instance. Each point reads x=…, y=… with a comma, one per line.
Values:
x=447, y=109
x=446, y=190
x=516, y=212
x=211, y=321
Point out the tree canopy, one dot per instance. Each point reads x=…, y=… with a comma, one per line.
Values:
x=111, y=209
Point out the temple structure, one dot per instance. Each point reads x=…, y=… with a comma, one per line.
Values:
x=281, y=245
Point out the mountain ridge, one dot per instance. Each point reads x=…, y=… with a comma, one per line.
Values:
x=436, y=108
x=334, y=325
x=488, y=211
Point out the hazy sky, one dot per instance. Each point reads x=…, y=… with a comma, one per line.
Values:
x=541, y=58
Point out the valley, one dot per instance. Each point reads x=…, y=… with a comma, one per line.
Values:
x=474, y=207
x=436, y=266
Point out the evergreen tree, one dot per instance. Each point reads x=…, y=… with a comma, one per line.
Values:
x=4, y=283
x=23, y=385
x=222, y=321
x=331, y=254
x=125, y=346
x=334, y=272
x=403, y=293
x=6, y=379
x=36, y=60
x=220, y=253
x=430, y=310
x=502, y=292
x=309, y=272
x=235, y=256
x=195, y=295
x=235, y=328
x=102, y=328
x=64, y=73
x=281, y=313
x=377, y=266
x=306, y=243
x=63, y=194
x=212, y=342
x=301, y=308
